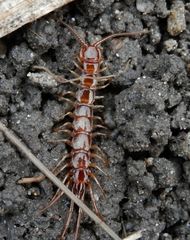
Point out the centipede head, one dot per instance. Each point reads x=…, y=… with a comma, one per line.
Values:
x=91, y=54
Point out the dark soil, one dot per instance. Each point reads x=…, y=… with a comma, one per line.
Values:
x=146, y=108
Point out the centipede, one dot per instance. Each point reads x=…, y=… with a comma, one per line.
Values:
x=80, y=164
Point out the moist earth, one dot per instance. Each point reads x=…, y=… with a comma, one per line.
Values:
x=146, y=108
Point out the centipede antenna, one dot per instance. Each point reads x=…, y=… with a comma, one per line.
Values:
x=124, y=34
x=82, y=42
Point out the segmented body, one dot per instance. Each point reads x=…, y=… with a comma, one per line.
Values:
x=83, y=118
x=81, y=164
x=83, y=124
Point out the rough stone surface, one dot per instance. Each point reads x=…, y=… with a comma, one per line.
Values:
x=146, y=108
x=176, y=20
x=143, y=123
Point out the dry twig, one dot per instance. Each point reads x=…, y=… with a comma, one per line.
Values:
x=17, y=142
x=15, y=14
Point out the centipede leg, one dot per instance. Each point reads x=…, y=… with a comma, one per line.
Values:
x=60, y=162
x=67, y=131
x=61, y=80
x=97, y=149
x=43, y=69
x=74, y=73
x=99, y=97
x=105, y=77
x=102, y=87
x=79, y=218
x=67, y=100
x=99, y=126
x=97, y=106
x=59, y=169
x=103, y=81
x=97, y=182
x=70, y=114
x=56, y=197
x=78, y=59
x=94, y=201
x=62, y=127
x=98, y=118
x=103, y=69
x=96, y=156
x=99, y=134
x=76, y=64
x=67, y=93
x=66, y=141
x=78, y=224
x=94, y=165
x=68, y=220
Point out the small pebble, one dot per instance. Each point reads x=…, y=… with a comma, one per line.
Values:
x=43, y=79
x=145, y=6
x=170, y=45
x=176, y=19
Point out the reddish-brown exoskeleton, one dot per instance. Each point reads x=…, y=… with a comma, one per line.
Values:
x=80, y=165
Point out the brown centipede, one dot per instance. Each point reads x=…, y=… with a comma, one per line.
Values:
x=80, y=167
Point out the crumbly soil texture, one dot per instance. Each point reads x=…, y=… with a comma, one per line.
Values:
x=146, y=108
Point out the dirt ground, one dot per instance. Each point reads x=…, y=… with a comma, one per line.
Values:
x=146, y=109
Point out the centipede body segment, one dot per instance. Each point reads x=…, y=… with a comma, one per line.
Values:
x=80, y=165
